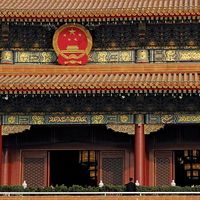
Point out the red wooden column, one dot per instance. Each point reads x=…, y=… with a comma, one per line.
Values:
x=5, y=175
x=0, y=153
x=139, y=149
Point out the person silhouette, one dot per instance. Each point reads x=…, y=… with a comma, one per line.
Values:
x=130, y=187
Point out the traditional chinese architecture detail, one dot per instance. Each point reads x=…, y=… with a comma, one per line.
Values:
x=142, y=55
x=34, y=57
x=12, y=129
x=167, y=119
x=106, y=37
x=24, y=119
x=72, y=44
x=38, y=119
x=133, y=56
x=63, y=118
x=5, y=30
x=68, y=120
x=112, y=56
x=141, y=77
x=160, y=118
x=12, y=119
x=175, y=118
x=130, y=128
x=6, y=57
x=125, y=118
x=114, y=119
x=149, y=128
x=189, y=55
x=170, y=55
x=82, y=81
x=139, y=119
x=72, y=11
x=98, y=119
x=184, y=118
x=175, y=55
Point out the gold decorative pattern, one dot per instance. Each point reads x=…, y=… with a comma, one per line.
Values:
x=12, y=129
x=7, y=57
x=12, y=119
x=112, y=56
x=124, y=118
x=189, y=55
x=167, y=119
x=170, y=55
x=23, y=57
x=142, y=56
x=97, y=119
x=176, y=55
x=130, y=128
x=109, y=56
x=102, y=57
x=149, y=128
x=38, y=119
x=126, y=56
x=35, y=57
x=188, y=118
x=68, y=119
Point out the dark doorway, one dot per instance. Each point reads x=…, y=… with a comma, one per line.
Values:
x=67, y=167
x=187, y=167
x=64, y=167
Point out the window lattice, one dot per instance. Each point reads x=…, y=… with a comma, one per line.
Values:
x=34, y=171
x=163, y=170
x=112, y=170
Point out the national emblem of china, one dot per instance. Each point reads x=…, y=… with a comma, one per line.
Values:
x=72, y=44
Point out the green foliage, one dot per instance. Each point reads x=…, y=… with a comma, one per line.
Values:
x=7, y=188
x=76, y=188
x=105, y=188
x=168, y=189
x=112, y=188
x=60, y=188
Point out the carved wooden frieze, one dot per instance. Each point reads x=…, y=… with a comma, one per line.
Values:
x=150, y=128
x=176, y=118
x=34, y=57
x=12, y=129
x=7, y=57
x=92, y=118
x=108, y=56
x=175, y=55
x=63, y=118
x=112, y=56
x=130, y=128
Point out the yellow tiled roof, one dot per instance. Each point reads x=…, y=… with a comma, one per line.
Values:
x=85, y=81
x=87, y=9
